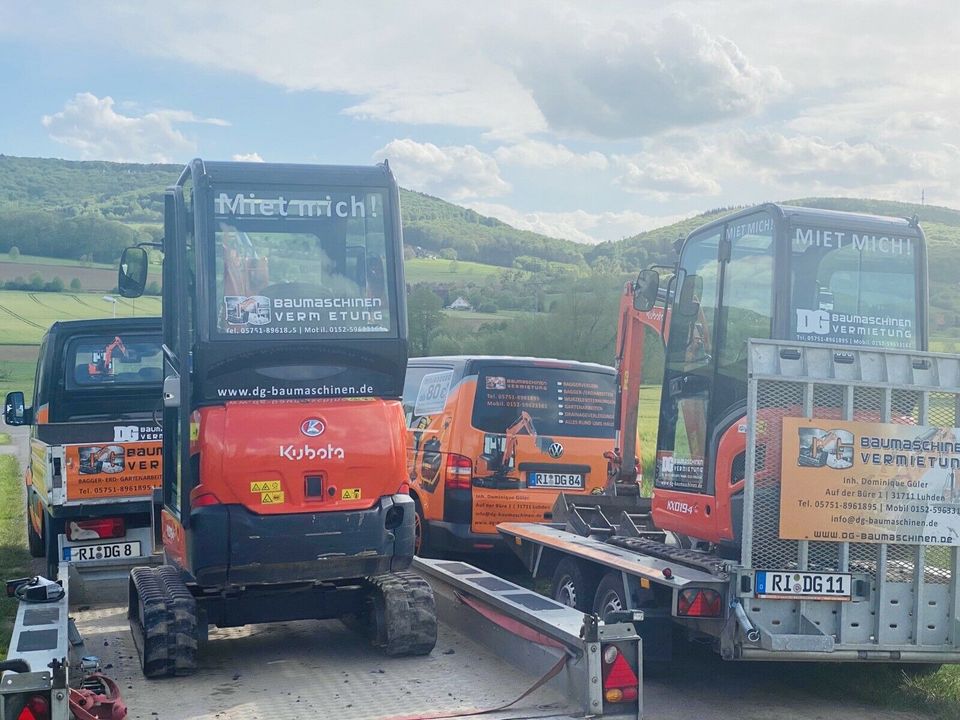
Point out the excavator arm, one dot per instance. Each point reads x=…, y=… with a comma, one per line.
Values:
x=630, y=347
x=104, y=366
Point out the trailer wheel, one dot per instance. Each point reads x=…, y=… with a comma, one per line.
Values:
x=610, y=597
x=574, y=584
x=34, y=538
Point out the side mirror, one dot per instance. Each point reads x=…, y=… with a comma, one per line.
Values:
x=132, y=278
x=14, y=410
x=645, y=290
x=688, y=305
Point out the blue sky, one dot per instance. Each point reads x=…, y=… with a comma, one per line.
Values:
x=591, y=121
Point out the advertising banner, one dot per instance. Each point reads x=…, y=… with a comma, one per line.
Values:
x=491, y=507
x=867, y=482
x=113, y=470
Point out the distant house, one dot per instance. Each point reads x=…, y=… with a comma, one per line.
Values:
x=459, y=304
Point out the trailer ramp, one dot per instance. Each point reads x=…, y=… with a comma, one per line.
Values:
x=535, y=633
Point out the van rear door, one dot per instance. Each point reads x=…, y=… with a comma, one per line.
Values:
x=544, y=428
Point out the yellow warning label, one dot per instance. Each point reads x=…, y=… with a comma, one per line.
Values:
x=265, y=486
x=350, y=494
x=271, y=498
x=194, y=431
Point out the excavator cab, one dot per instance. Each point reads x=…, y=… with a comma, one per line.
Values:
x=768, y=272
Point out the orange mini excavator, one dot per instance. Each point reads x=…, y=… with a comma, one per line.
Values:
x=285, y=492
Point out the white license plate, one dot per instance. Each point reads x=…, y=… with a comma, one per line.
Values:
x=786, y=584
x=104, y=551
x=555, y=480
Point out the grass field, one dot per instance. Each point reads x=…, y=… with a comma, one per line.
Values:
x=25, y=316
x=64, y=262
x=14, y=558
x=424, y=270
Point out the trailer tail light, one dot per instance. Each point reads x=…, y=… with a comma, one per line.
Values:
x=37, y=707
x=620, y=682
x=699, y=602
x=99, y=529
x=458, y=473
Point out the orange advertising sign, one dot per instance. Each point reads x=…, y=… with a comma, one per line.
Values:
x=112, y=470
x=846, y=481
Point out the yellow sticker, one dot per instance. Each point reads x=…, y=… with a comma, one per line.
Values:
x=271, y=498
x=350, y=494
x=194, y=431
x=265, y=486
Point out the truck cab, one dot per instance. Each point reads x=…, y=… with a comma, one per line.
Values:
x=95, y=442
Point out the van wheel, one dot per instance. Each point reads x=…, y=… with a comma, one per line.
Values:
x=609, y=597
x=420, y=545
x=34, y=538
x=573, y=584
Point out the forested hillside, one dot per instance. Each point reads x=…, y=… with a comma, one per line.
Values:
x=92, y=210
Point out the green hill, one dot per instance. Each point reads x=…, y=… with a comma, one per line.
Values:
x=45, y=204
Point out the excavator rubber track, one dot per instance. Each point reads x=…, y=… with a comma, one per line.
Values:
x=163, y=622
x=404, y=618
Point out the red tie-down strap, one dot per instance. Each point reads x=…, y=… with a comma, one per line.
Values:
x=89, y=705
x=519, y=629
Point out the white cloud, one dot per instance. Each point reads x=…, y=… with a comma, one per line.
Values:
x=455, y=172
x=626, y=81
x=247, y=157
x=539, y=154
x=96, y=130
x=578, y=225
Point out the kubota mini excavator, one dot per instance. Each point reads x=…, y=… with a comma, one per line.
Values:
x=284, y=480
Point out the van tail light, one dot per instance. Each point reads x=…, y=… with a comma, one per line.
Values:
x=458, y=475
x=699, y=602
x=37, y=707
x=99, y=529
x=620, y=682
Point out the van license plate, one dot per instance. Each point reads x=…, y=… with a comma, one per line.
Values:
x=105, y=551
x=786, y=584
x=554, y=480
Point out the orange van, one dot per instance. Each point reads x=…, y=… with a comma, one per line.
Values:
x=496, y=439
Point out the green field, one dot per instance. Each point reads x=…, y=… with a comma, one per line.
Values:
x=40, y=260
x=25, y=316
x=423, y=270
x=14, y=558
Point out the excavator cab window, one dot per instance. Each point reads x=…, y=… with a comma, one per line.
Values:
x=854, y=287
x=315, y=270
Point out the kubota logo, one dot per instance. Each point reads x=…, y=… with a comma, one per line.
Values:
x=305, y=452
x=555, y=450
x=312, y=427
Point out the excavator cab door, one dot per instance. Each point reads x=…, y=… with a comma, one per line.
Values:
x=722, y=295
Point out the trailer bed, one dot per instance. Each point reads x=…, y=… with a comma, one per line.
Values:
x=310, y=668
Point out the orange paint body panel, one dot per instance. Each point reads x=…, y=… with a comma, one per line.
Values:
x=292, y=457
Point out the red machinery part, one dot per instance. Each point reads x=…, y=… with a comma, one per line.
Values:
x=90, y=705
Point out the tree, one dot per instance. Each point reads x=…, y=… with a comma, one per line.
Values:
x=76, y=285
x=425, y=314
x=55, y=285
x=454, y=266
x=448, y=253
x=14, y=252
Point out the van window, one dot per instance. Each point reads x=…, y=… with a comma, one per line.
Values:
x=567, y=402
x=425, y=391
x=100, y=360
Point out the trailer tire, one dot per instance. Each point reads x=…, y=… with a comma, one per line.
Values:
x=574, y=584
x=34, y=539
x=610, y=596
